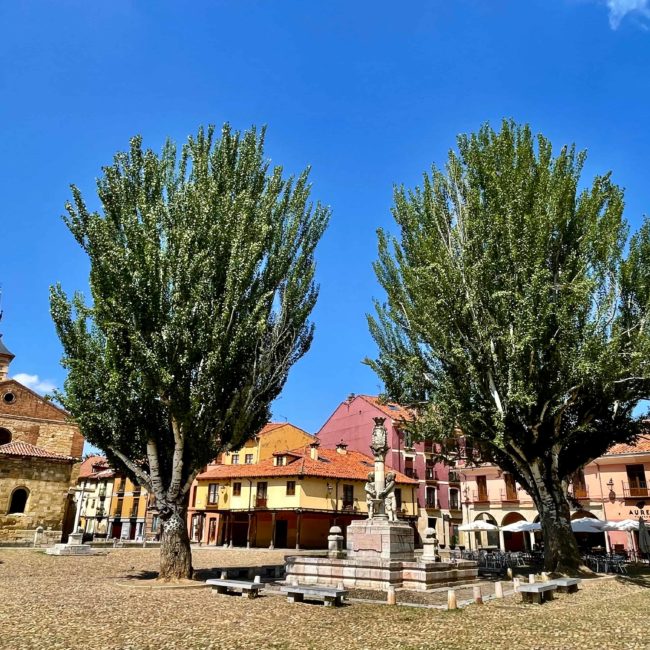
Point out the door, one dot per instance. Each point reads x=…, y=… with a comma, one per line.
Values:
x=212, y=531
x=281, y=531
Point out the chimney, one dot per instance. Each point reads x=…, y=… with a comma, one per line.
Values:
x=342, y=447
x=351, y=396
x=313, y=449
x=5, y=360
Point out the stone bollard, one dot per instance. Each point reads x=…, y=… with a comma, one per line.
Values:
x=38, y=536
x=545, y=577
x=335, y=543
x=478, y=598
x=224, y=575
x=509, y=573
x=531, y=578
x=340, y=585
x=391, y=598
x=516, y=582
x=257, y=579
x=451, y=599
x=498, y=589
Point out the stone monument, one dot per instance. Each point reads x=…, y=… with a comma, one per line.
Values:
x=381, y=535
x=380, y=549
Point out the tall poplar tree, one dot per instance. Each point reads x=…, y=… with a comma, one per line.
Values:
x=202, y=283
x=514, y=314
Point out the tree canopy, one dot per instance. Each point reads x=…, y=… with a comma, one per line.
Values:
x=202, y=282
x=514, y=312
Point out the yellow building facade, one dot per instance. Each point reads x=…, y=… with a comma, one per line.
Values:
x=290, y=500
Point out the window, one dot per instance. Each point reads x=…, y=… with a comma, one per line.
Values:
x=118, y=508
x=213, y=493
x=431, y=497
x=236, y=489
x=9, y=398
x=408, y=467
x=235, y=459
x=454, y=500
x=5, y=436
x=408, y=439
x=260, y=501
x=280, y=460
x=18, y=501
x=431, y=522
x=248, y=459
x=636, y=479
x=511, y=487
x=291, y=488
x=194, y=496
x=155, y=522
x=348, y=496
x=481, y=484
x=579, y=484
x=398, y=498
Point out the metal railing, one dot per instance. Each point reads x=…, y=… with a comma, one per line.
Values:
x=509, y=497
x=635, y=490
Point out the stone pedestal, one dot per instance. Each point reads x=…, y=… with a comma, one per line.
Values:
x=74, y=546
x=379, y=539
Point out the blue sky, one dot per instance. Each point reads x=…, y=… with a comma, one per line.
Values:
x=369, y=93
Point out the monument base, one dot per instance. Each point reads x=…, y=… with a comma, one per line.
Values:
x=73, y=547
x=379, y=539
x=378, y=573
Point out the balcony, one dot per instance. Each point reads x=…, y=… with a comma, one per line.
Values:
x=260, y=502
x=411, y=473
x=507, y=496
x=454, y=504
x=579, y=493
x=430, y=474
x=635, y=491
x=454, y=477
x=480, y=498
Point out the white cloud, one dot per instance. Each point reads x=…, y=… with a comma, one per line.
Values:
x=618, y=9
x=34, y=382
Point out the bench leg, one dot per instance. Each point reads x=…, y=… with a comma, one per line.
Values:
x=538, y=598
x=249, y=593
x=220, y=590
x=295, y=598
x=572, y=589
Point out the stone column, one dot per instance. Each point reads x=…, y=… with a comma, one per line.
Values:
x=379, y=447
x=502, y=541
x=272, y=544
x=298, y=524
x=248, y=531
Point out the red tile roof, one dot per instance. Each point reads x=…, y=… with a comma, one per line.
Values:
x=392, y=410
x=330, y=464
x=642, y=445
x=24, y=449
x=92, y=465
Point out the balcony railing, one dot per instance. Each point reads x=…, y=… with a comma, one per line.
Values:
x=430, y=474
x=348, y=507
x=411, y=473
x=260, y=502
x=480, y=497
x=635, y=490
x=580, y=493
x=454, y=504
x=509, y=497
x=454, y=477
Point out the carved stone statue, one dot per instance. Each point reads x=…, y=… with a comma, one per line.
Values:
x=388, y=494
x=379, y=444
x=371, y=495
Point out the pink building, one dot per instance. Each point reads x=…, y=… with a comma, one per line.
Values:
x=613, y=487
x=438, y=487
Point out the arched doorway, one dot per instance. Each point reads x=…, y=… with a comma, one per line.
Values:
x=513, y=541
x=18, y=502
x=5, y=436
x=588, y=541
x=486, y=537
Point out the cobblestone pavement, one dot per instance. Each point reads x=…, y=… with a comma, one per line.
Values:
x=65, y=602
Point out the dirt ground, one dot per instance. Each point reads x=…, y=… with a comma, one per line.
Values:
x=66, y=602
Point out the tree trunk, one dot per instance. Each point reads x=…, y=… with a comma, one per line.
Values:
x=175, y=551
x=561, y=552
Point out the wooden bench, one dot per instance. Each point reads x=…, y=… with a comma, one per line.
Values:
x=248, y=589
x=566, y=585
x=328, y=595
x=538, y=592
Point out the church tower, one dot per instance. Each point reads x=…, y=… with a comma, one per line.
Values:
x=5, y=358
